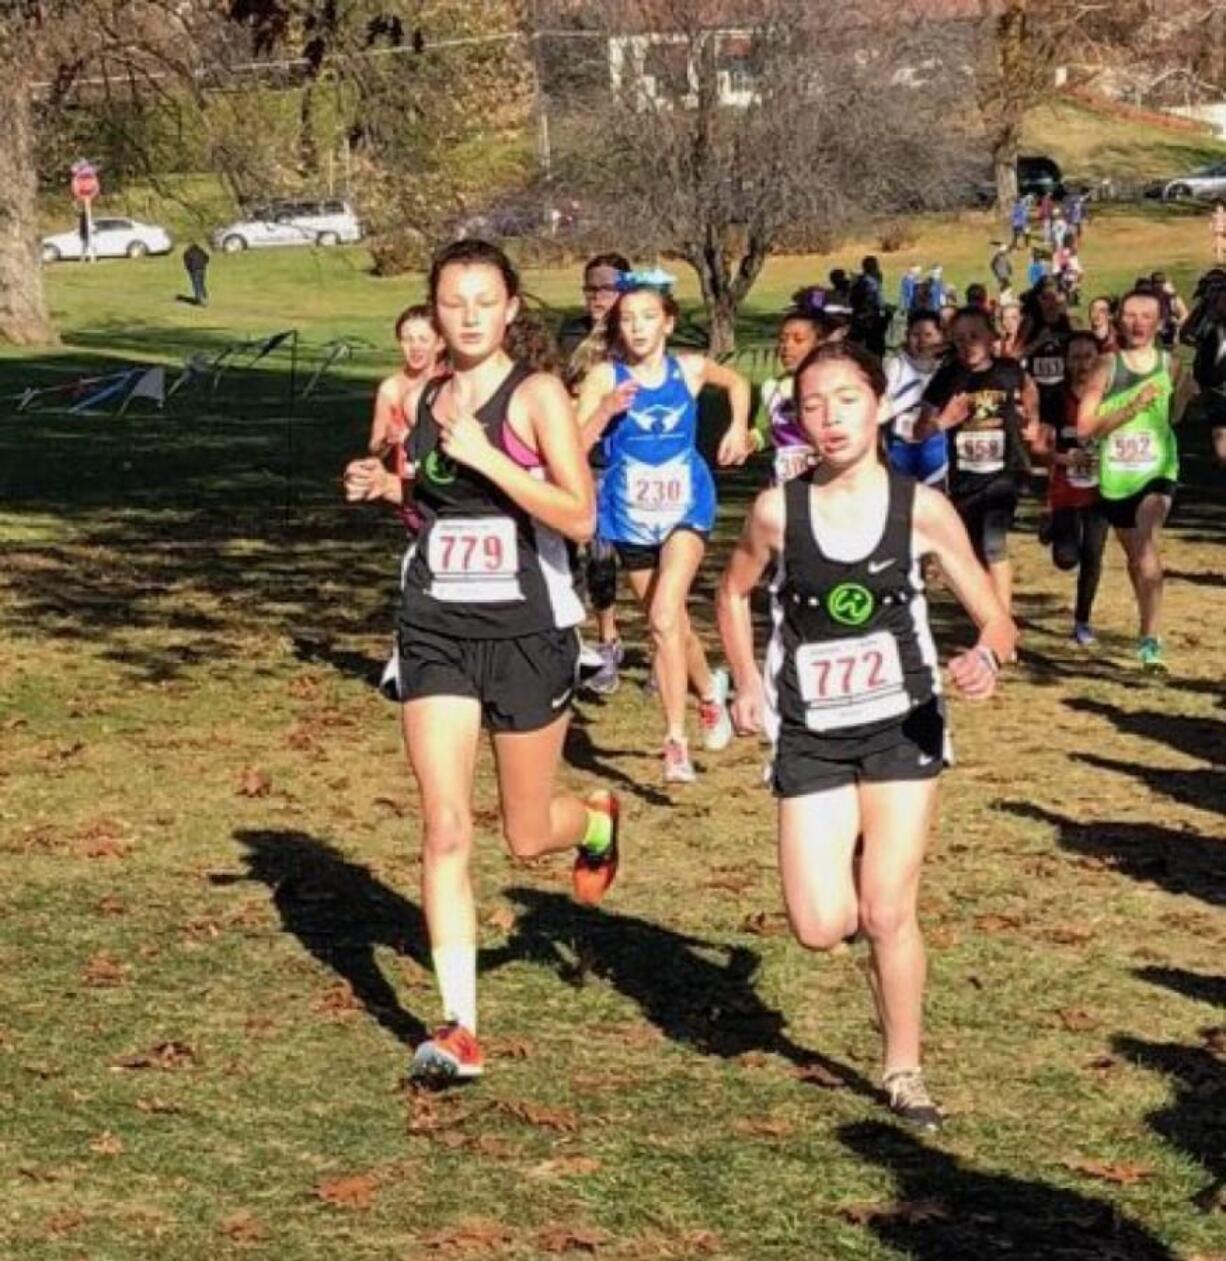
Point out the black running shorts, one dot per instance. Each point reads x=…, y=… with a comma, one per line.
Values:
x=635, y=557
x=522, y=684
x=988, y=516
x=915, y=749
x=1122, y=513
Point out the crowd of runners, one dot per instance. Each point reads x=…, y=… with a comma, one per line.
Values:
x=531, y=470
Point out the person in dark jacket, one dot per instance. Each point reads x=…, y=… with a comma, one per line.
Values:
x=196, y=262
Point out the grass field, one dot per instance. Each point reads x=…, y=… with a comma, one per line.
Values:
x=212, y=947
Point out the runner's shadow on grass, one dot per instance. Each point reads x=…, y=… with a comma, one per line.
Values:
x=1200, y=986
x=1194, y=1121
x=1203, y=738
x=341, y=913
x=355, y=665
x=707, y=1003
x=582, y=752
x=1201, y=789
x=1180, y=862
x=946, y=1211
x=1197, y=580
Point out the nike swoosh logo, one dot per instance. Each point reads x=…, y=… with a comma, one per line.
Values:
x=875, y=567
x=925, y=760
x=558, y=701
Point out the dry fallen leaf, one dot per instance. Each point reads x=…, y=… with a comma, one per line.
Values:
x=1076, y=1020
x=106, y=1144
x=543, y=1118
x=1120, y=1173
x=818, y=1075
x=110, y=905
x=254, y=783
x=243, y=1228
x=354, y=1192
x=337, y=1002
x=472, y=1238
x=765, y=924
x=502, y=918
x=763, y=1127
x=102, y=970
x=565, y=1167
x=562, y=1239
x=911, y=1212
x=164, y=1055
x=153, y=1106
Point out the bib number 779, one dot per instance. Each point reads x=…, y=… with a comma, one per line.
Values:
x=474, y=559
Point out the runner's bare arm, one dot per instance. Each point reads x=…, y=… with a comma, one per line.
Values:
x=1030, y=409
x=762, y=535
x=381, y=421
x=938, y=530
x=542, y=409
x=1092, y=397
x=735, y=446
x=600, y=399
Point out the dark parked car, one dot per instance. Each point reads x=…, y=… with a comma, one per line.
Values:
x=1036, y=177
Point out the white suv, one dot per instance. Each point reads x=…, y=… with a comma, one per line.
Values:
x=315, y=222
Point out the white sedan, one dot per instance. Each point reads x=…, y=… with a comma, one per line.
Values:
x=112, y=238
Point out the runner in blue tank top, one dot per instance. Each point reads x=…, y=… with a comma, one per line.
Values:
x=657, y=498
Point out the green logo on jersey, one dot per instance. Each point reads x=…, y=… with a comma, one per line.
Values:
x=438, y=468
x=850, y=603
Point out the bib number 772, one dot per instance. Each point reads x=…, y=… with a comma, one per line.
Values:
x=851, y=682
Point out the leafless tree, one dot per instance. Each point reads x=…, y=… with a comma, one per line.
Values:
x=46, y=47
x=721, y=127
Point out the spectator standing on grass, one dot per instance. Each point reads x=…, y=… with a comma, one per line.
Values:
x=196, y=263
x=1047, y=211
x=1019, y=221
x=1218, y=225
x=907, y=288
x=1173, y=308
x=1205, y=331
x=1037, y=269
x=1076, y=215
x=1001, y=265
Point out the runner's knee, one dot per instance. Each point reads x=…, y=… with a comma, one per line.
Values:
x=818, y=930
x=448, y=833
x=886, y=918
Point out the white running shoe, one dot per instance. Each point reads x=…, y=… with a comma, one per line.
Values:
x=714, y=716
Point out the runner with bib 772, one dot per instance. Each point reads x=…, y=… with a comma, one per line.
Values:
x=852, y=688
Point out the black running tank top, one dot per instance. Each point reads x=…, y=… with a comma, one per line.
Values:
x=852, y=654
x=482, y=567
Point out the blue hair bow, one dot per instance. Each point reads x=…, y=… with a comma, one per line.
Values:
x=652, y=278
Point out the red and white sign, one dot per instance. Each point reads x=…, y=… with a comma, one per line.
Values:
x=85, y=185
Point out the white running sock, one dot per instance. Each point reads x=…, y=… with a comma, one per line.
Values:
x=455, y=969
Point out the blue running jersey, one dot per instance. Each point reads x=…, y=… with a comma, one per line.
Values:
x=654, y=480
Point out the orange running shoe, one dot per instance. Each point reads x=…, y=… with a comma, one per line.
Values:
x=592, y=874
x=452, y=1053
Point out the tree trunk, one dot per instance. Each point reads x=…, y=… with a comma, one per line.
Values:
x=1007, y=143
x=722, y=315
x=24, y=320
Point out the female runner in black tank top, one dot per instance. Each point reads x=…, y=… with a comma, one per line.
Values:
x=487, y=622
x=853, y=676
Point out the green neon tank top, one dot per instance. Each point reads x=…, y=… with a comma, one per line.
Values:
x=1142, y=449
